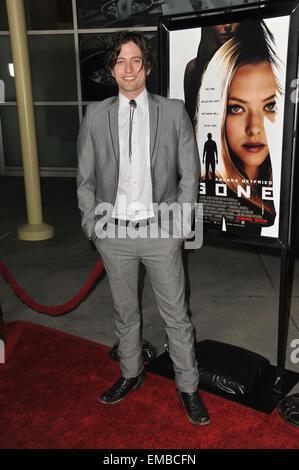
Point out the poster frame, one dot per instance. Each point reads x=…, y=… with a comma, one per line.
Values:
x=255, y=11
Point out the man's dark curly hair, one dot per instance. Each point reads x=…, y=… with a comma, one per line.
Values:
x=123, y=37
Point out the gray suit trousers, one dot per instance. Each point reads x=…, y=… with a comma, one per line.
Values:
x=162, y=259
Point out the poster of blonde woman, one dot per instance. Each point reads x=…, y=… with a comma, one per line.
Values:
x=232, y=78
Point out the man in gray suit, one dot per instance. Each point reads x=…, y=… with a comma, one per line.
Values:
x=137, y=154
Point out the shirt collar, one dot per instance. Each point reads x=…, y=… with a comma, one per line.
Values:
x=141, y=100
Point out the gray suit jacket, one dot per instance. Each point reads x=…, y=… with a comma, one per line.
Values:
x=175, y=164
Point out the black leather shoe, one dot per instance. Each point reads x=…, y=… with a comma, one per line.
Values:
x=196, y=410
x=121, y=388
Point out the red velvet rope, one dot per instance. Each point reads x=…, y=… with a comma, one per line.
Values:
x=55, y=310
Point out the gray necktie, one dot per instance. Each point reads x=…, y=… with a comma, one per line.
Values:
x=133, y=106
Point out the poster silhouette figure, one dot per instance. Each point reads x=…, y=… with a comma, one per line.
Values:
x=210, y=153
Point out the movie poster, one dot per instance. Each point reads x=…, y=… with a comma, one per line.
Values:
x=232, y=79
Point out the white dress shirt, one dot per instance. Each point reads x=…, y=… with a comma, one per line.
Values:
x=134, y=194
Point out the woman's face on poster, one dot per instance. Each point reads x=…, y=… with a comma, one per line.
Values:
x=225, y=31
x=251, y=99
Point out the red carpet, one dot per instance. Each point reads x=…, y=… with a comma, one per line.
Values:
x=50, y=386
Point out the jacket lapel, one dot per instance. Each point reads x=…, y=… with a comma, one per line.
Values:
x=113, y=127
x=154, y=119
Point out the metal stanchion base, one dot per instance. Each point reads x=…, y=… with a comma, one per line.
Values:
x=35, y=232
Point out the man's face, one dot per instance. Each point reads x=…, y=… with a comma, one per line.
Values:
x=129, y=71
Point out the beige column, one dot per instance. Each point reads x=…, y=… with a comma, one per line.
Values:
x=35, y=229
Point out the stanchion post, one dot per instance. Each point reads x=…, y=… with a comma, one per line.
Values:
x=285, y=293
x=35, y=229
